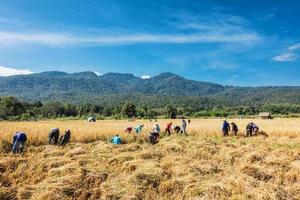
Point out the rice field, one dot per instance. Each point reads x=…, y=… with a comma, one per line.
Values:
x=203, y=165
x=83, y=131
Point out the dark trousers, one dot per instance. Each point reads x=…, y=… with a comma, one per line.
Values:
x=53, y=139
x=235, y=131
x=177, y=130
x=225, y=132
x=249, y=132
x=168, y=131
x=153, y=138
x=18, y=147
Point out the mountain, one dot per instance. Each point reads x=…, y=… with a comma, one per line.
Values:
x=85, y=86
x=121, y=78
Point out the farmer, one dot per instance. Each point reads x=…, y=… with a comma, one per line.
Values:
x=116, y=140
x=234, y=128
x=128, y=129
x=153, y=136
x=225, y=128
x=168, y=128
x=176, y=128
x=249, y=129
x=64, y=139
x=19, y=140
x=139, y=128
x=183, y=127
x=255, y=129
x=53, y=136
x=156, y=128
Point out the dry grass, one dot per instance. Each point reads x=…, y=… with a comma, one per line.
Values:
x=203, y=165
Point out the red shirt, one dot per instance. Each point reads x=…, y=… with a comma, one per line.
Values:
x=169, y=125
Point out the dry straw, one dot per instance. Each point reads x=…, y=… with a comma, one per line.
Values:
x=203, y=165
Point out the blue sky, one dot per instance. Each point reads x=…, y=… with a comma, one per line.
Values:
x=229, y=42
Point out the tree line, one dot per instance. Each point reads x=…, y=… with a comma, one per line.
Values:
x=11, y=108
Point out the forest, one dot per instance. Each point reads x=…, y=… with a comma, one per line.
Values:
x=11, y=108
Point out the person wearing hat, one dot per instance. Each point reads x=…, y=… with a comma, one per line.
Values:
x=64, y=139
x=53, y=136
x=183, y=127
x=234, y=128
x=139, y=128
x=19, y=140
x=156, y=128
x=225, y=128
x=116, y=140
x=168, y=128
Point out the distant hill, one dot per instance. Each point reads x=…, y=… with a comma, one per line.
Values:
x=87, y=86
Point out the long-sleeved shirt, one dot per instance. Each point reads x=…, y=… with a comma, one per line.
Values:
x=116, y=140
x=156, y=128
x=20, y=137
x=183, y=124
x=138, y=129
x=225, y=126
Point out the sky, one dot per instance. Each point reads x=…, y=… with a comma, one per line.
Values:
x=232, y=42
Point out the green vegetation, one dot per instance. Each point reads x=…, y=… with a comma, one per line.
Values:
x=114, y=87
x=11, y=108
x=113, y=95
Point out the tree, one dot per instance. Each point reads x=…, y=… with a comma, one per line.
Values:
x=37, y=104
x=53, y=109
x=70, y=110
x=11, y=106
x=84, y=109
x=171, y=112
x=107, y=111
x=141, y=112
x=129, y=110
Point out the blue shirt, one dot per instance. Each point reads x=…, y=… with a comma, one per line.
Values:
x=138, y=129
x=225, y=126
x=20, y=137
x=116, y=140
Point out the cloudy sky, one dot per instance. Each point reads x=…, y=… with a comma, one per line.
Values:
x=233, y=43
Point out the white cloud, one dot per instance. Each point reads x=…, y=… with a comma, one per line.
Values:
x=214, y=23
x=63, y=39
x=145, y=76
x=294, y=47
x=216, y=27
x=6, y=71
x=289, y=55
x=97, y=73
x=285, y=57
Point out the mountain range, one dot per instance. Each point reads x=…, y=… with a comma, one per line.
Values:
x=87, y=86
